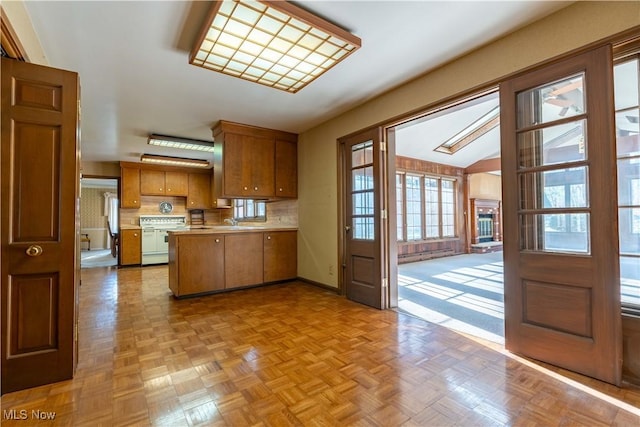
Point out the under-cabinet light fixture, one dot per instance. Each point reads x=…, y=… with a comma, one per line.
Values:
x=183, y=143
x=174, y=161
x=274, y=43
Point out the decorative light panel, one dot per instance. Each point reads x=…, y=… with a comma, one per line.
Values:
x=182, y=143
x=274, y=43
x=174, y=161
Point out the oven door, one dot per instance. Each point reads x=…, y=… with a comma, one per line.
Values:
x=148, y=240
x=162, y=241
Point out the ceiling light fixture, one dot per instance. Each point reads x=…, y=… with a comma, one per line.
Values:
x=174, y=161
x=274, y=43
x=183, y=143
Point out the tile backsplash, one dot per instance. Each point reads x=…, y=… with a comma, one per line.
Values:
x=279, y=213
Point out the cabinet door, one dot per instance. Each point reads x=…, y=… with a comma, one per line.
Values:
x=130, y=179
x=286, y=165
x=243, y=259
x=248, y=166
x=280, y=256
x=200, y=262
x=199, y=191
x=130, y=247
x=176, y=183
x=261, y=154
x=152, y=182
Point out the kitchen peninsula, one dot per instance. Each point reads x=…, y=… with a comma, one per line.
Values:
x=223, y=258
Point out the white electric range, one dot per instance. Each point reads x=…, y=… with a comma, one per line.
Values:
x=155, y=236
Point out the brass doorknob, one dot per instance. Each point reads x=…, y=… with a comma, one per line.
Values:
x=34, y=250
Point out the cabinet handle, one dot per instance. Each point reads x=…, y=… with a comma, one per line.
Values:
x=217, y=240
x=160, y=189
x=280, y=189
x=34, y=250
x=255, y=188
x=268, y=237
x=135, y=234
x=168, y=189
x=245, y=188
x=135, y=201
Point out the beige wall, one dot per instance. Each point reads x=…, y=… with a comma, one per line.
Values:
x=109, y=169
x=485, y=186
x=570, y=28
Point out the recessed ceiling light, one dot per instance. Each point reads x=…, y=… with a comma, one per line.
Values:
x=274, y=43
x=174, y=161
x=182, y=143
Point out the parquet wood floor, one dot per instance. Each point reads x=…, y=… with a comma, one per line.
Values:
x=292, y=355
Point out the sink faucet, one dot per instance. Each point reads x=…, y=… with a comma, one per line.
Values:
x=231, y=221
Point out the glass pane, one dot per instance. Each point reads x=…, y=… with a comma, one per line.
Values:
x=414, y=207
x=568, y=233
x=363, y=203
x=625, y=82
x=399, y=207
x=562, y=188
x=555, y=144
x=448, y=217
x=628, y=133
x=362, y=178
x=629, y=182
x=630, y=280
x=363, y=228
x=553, y=101
x=629, y=226
x=432, y=202
x=362, y=154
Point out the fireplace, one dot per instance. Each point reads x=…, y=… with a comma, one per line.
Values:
x=486, y=225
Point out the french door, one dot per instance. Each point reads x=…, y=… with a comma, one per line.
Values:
x=561, y=271
x=364, y=274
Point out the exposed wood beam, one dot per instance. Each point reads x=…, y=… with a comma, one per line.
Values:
x=486, y=165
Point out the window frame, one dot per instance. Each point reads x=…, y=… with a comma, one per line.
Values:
x=425, y=235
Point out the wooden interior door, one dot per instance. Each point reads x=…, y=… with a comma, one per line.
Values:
x=40, y=187
x=363, y=240
x=562, y=293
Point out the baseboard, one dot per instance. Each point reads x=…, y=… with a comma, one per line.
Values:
x=320, y=285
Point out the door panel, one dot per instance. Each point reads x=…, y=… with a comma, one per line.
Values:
x=363, y=230
x=560, y=245
x=40, y=187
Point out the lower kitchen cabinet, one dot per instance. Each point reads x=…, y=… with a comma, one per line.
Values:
x=196, y=264
x=130, y=246
x=280, y=256
x=201, y=262
x=243, y=259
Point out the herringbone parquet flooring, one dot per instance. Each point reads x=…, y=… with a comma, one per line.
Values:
x=292, y=354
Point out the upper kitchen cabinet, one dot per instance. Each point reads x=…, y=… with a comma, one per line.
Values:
x=199, y=191
x=286, y=168
x=130, y=184
x=161, y=183
x=253, y=162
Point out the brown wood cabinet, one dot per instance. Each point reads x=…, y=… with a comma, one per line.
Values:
x=130, y=246
x=280, y=256
x=286, y=169
x=243, y=259
x=160, y=183
x=253, y=162
x=196, y=264
x=214, y=262
x=199, y=194
x=130, y=184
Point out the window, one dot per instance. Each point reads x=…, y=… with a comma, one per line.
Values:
x=399, y=207
x=249, y=210
x=426, y=207
x=413, y=217
x=627, y=104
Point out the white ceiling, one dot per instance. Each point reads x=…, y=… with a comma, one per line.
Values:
x=132, y=58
